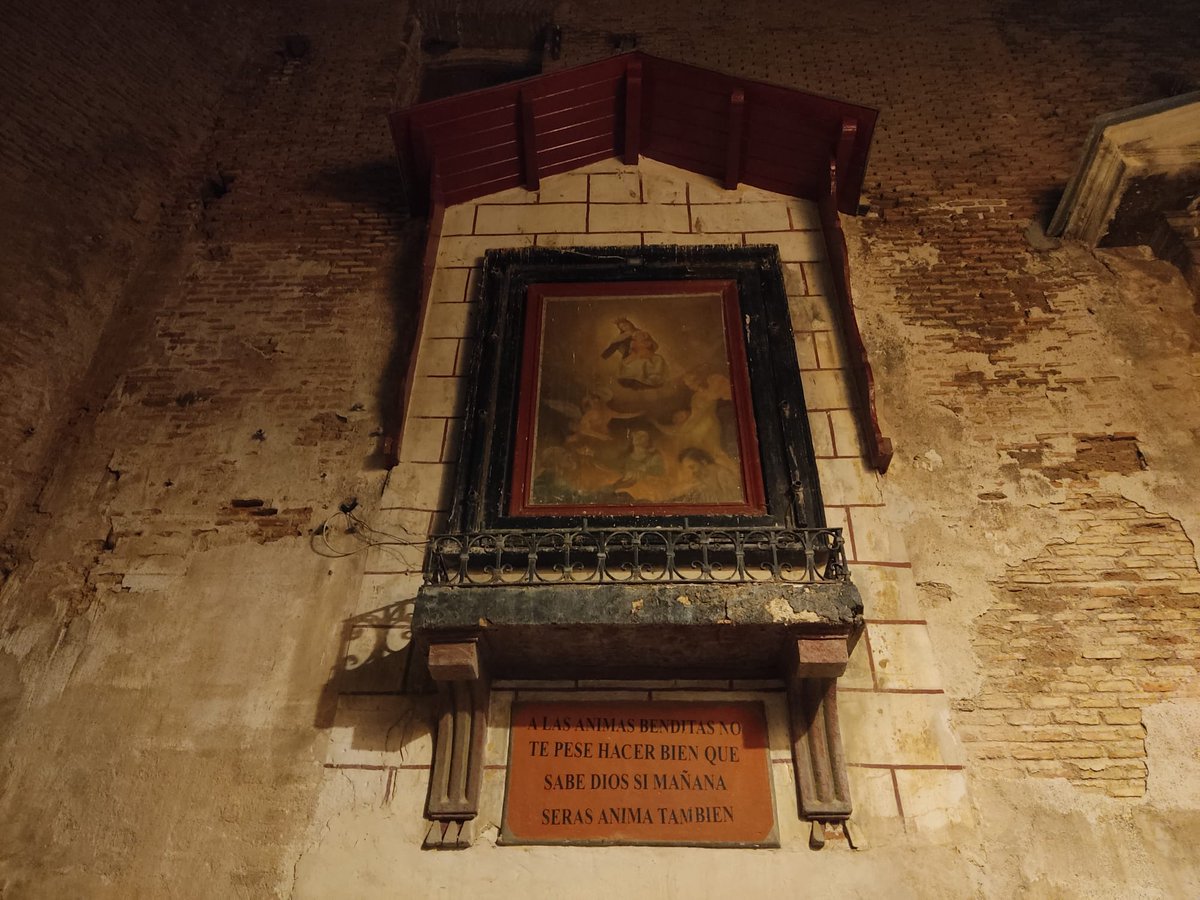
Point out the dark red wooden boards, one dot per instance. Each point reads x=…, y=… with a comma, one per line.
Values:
x=732, y=129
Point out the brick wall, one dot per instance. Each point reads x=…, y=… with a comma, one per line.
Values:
x=105, y=105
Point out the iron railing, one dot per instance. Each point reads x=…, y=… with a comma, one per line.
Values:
x=709, y=555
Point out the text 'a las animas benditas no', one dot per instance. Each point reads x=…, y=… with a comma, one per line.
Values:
x=679, y=773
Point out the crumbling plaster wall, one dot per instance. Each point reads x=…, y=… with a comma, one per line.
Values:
x=168, y=631
x=165, y=652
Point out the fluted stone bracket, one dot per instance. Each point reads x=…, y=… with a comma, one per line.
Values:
x=457, y=669
x=822, y=785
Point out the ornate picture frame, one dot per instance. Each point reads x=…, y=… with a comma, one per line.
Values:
x=617, y=386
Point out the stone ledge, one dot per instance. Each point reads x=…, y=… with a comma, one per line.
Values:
x=644, y=630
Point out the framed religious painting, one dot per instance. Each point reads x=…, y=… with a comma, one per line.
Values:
x=615, y=386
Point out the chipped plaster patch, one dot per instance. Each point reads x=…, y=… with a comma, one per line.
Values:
x=781, y=611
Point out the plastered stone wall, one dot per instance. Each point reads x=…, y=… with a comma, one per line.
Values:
x=168, y=633
x=192, y=705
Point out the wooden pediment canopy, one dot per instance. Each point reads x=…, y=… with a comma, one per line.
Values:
x=732, y=129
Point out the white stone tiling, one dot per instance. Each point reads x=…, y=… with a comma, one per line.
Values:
x=638, y=217
x=904, y=657
x=531, y=219
x=934, y=800
x=897, y=729
x=623, y=187
x=876, y=536
x=650, y=204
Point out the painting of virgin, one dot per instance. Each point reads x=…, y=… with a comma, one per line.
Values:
x=635, y=399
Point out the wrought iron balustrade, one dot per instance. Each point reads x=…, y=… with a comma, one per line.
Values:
x=708, y=555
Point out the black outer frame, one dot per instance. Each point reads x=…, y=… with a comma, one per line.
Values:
x=789, y=472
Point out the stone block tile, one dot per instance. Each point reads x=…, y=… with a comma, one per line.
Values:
x=459, y=219
x=448, y=320
x=423, y=439
x=793, y=280
x=846, y=432
x=830, y=354
x=401, y=524
x=826, y=388
x=848, y=481
x=531, y=219
x=491, y=803
x=374, y=658
x=888, y=592
x=598, y=239
x=793, y=831
x=474, y=274
x=437, y=395
x=618, y=187
x=638, y=217
x=350, y=790
x=806, y=351
x=835, y=517
x=709, y=190
x=397, y=557
x=469, y=250
x=449, y=285
x=804, y=213
x=499, y=723
x=817, y=276
x=898, y=729
x=453, y=444
x=794, y=246
x=409, y=789
x=873, y=794
x=858, y=671
x=418, y=486
x=569, y=187
x=904, y=657
x=660, y=189
x=811, y=313
x=467, y=350
x=876, y=535
x=384, y=731
x=934, y=800
x=387, y=598
x=822, y=434
x=746, y=217
x=437, y=356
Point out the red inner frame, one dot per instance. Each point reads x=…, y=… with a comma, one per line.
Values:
x=739, y=376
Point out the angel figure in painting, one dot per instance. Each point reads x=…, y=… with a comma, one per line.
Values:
x=591, y=422
x=700, y=425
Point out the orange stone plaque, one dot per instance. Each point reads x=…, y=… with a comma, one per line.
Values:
x=639, y=773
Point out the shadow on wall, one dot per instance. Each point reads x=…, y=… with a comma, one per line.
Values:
x=376, y=187
x=375, y=665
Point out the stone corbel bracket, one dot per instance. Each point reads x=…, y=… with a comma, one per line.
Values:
x=822, y=786
x=457, y=669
